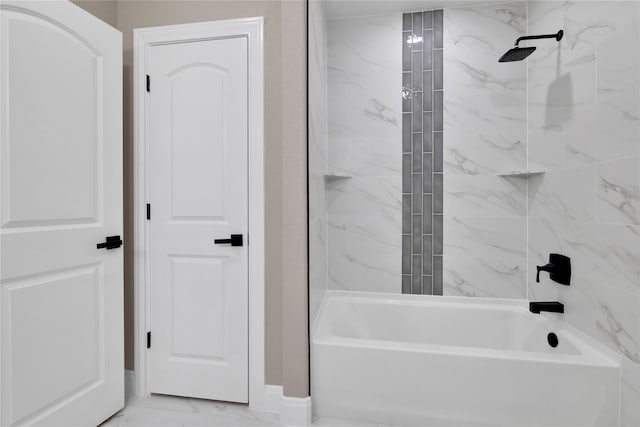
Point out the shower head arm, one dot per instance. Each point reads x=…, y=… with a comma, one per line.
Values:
x=557, y=36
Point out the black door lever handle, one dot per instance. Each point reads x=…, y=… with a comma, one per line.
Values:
x=111, y=242
x=235, y=240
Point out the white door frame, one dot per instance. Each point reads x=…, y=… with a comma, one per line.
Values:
x=144, y=39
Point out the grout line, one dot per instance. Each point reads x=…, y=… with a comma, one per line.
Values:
x=528, y=234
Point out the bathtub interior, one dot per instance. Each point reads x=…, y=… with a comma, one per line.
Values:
x=499, y=327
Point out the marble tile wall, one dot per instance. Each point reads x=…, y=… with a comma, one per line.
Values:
x=318, y=218
x=364, y=80
x=485, y=221
x=584, y=129
x=422, y=142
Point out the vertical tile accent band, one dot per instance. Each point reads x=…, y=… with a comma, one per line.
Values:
x=422, y=139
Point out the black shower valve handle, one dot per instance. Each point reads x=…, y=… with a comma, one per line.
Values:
x=559, y=269
x=547, y=267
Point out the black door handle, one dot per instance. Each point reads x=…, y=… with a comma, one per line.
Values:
x=235, y=240
x=112, y=242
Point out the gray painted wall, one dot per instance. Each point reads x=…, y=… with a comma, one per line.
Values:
x=285, y=165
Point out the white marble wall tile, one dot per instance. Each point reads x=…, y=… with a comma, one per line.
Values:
x=365, y=253
x=364, y=81
x=318, y=271
x=365, y=78
x=379, y=195
x=581, y=85
x=485, y=277
x=562, y=76
x=545, y=148
x=619, y=191
x=318, y=234
x=610, y=253
x=363, y=157
x=485, y=132
x=584, y=23
x=485, y=237
x=619, y=59
x=365, y=233
x=485, y=195
x=485, y=102
x=478, y=142
x=626, y=103
x=477, y=37
x=551, y=102
x=605, y=257
x=546, y=235
x=591, y=22
x=602, y=132
x=374, y=277
x=560, y=86
x=618, y=320
x=566, y=193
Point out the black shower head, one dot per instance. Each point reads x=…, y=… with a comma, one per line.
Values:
x=517, y=54
x=520, y=53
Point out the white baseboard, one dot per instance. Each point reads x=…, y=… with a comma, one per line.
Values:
x=129, y=382
x=295, y=411
x=273, y=398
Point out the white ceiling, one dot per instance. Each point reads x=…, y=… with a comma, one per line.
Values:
x=345, y=8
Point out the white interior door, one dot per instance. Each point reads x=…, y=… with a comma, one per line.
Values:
x=198, y=193
x=61, y=346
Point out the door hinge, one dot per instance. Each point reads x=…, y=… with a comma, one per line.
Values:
x=148, y=210
x=148, y=83
x=149, y=339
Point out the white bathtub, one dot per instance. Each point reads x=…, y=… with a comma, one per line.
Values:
x=451, y=361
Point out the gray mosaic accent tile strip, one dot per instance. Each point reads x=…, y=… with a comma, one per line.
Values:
x=427, y=285
x=437, y=275
x=422, y=139
x=438, y=18
x=406, y=283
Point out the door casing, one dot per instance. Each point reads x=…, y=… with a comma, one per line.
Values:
x=144, y=39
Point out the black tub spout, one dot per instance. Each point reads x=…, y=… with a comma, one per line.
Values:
x=550, y=306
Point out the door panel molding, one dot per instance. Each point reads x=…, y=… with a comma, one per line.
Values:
x=144, y=39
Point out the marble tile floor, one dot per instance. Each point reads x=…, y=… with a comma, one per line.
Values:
x=171, y=411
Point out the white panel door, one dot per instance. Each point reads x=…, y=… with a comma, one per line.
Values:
x=198, y=193
x=61, y=299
